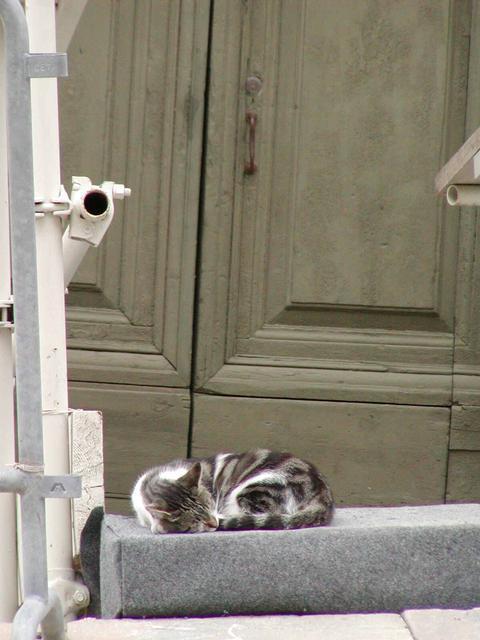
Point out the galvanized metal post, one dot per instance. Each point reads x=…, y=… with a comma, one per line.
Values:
x=8, y=518
x=24, y=275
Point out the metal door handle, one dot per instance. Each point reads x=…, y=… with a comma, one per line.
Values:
x=250, y=166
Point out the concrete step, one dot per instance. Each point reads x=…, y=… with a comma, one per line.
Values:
x=412, y=625
x=368, y=560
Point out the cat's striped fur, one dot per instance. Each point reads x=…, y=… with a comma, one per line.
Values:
x=259, y=489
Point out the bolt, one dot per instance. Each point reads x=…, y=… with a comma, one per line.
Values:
x=253, y=85
x=120, y=191
x=80, y=597
x=87, y=228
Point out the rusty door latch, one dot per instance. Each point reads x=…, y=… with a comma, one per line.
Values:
x=250, y=166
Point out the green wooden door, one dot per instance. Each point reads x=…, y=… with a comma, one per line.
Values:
x=327, y=278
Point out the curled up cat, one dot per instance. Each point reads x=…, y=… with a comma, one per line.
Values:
x=259, y=489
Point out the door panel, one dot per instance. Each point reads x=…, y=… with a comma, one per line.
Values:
x=360, y=210
x=373, y=453
x=138, y=121
x=330, y=272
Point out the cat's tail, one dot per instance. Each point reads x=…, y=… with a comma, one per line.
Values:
x=317, y=516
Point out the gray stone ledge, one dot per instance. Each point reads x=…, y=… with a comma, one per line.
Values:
x=427, y=624
x=373, y=559
x=351, y=627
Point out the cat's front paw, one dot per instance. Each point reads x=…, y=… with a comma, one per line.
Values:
x=156, y=528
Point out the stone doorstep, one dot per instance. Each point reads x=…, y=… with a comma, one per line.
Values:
x=348, y=627
x=371, y=559
x=429, y=624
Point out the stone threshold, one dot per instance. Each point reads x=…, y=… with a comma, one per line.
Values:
x=368, y=560
x=429, y=624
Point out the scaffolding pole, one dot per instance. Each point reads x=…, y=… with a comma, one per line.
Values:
x=8, y=557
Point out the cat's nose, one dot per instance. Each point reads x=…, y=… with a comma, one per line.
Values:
x=212, y=522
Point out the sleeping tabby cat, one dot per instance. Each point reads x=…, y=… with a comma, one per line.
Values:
x=258, y=489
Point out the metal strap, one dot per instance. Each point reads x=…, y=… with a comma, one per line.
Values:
x=46, y=65
x=28, y=468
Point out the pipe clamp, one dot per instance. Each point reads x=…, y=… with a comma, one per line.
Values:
x=60, y=486
x=46, y=65
x=59, y=206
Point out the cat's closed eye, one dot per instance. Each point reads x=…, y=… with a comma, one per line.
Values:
x=173, y=517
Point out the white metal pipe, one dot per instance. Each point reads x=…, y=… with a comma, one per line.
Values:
x=34, y=612
x=463, y=195
x=5, y=288
x=28, y=618
x=46, y=156
x=91, y=214
x=8, y=555
x=73, y=253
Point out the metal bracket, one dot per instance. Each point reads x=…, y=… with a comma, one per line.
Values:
x=5, y=306
x=73, y=595
x=5, y=322
x=59, y=206
x=60, y=486
x=22, y=481
x=46, y=65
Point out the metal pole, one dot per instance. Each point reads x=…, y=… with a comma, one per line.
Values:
x=24, y=276
x=8, y=518
x=35, y=612
x=22, y=215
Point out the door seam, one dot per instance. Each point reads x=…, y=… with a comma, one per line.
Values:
x=198, y=256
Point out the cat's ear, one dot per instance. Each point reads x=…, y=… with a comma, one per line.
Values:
x=192, y=477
